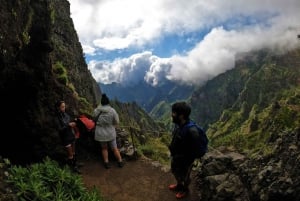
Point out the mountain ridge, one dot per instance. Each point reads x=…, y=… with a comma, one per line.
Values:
x=146, y=95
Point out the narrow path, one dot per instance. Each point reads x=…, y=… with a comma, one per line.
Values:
x=138, y=180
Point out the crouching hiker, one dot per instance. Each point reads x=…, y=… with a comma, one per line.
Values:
x=66, y=133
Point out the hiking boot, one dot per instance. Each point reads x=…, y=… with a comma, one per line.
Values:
x=120, y=164
x=76, y=170
x=175, y=187
x=107, y=165
x=79, y=164
x=181, y=194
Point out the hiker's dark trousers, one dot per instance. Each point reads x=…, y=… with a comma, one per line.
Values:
x=181, y=168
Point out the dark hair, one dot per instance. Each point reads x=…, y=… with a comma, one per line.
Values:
x=58, y=103
x=104, y=100
x=182, y=108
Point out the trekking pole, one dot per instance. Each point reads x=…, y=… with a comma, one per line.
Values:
x=131, y=135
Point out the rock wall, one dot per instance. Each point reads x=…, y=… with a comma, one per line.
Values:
x=227, y=175
x=35, y=38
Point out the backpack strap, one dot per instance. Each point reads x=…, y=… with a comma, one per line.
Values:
x=184, y=129
x=97, y=117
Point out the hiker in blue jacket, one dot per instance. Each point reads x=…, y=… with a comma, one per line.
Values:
x=107, y=119
x=182, y=148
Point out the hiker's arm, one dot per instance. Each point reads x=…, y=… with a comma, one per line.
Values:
x=116, y=119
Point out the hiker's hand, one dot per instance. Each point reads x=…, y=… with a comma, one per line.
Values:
x=72, y=124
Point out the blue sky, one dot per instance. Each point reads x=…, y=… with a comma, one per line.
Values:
x=187, y=41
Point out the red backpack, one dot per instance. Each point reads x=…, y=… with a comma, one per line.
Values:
x=86, y=126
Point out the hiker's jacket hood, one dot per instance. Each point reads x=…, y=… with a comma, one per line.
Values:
x=105, y=125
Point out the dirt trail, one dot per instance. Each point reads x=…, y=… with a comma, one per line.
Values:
x=138, y=180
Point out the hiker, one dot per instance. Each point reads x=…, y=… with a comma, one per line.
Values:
x=107, y=119
x=66, y=132
x=181, y=148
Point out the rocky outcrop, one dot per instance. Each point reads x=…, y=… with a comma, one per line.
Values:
x=126, y=145
x=231, y=176
x=41, y=61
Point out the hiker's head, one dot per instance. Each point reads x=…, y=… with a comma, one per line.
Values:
x=180, y=112
x=104, y=100
x=60, y=106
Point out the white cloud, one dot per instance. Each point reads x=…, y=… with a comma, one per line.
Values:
x=235, y=26
x=127, y=71
x=216, y=53
x=115, y=24
x=88, y=50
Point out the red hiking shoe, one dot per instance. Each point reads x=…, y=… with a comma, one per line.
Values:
x=173, y=187
x=181, y=194
x=176, y=187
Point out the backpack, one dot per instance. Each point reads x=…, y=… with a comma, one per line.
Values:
x=86, y=126
x=203, y=140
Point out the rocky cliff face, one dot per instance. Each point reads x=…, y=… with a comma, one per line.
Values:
x=41, y=61
x=227, y=175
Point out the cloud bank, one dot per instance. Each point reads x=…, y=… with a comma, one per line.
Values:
x=226, y=29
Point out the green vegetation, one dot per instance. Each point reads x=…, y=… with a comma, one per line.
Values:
x=25, y=33
x=25, y=38
x=151, y=138
x=86, y=107
x=251, y=106
x=162, y=113
x=52, y=13
x=14, y=13
x=61, y=73
x=47, y=181
x=152, y=144
x=155, y=149
x=256, y=134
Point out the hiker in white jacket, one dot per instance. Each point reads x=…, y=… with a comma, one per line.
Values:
x=107, y=119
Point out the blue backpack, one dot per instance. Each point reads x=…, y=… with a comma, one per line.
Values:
x=203, y=140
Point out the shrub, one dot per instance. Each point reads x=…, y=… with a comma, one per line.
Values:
x=47, y=181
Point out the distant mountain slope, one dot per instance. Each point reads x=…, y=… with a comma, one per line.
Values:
x=132, y=116
x=221, y=92
x=147, y=96
x=248, y=105
x=261, y=120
